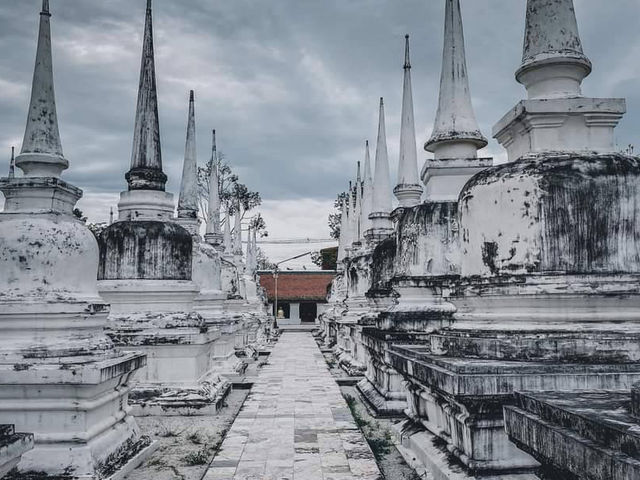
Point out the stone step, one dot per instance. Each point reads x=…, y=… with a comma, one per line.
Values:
x=577, y=434
x=475, y=378
x=565, y=347
x=603, y=417
x=12, y=446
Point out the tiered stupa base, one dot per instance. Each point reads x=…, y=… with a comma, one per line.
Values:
x=592, y=434
x=545, y=338
x=179, y=378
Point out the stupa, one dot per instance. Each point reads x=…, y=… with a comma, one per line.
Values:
x=548, y=297
x=425, y=257
x=145, y=273
x=62, y=377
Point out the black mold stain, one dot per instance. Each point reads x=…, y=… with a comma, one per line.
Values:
x=150, y=250
x=587, y=212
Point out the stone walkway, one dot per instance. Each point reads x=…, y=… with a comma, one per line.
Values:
x=295, y=424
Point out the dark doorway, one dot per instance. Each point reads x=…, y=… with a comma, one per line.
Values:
x=308, y=312
x=285, y=309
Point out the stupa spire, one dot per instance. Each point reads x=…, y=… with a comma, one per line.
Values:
x=367, y=189
x=213, y=235
x=381, y=204
x=248, y=249
x=237, y=230
x=343, y=231
x=12, y=164
x=455, y=133
x=188, y=200
x=408, y=189
x=41, y=154
x=146, y=158
x=553, y=63
x=357, y=209
x=228, y=247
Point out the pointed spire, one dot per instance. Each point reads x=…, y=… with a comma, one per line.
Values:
x=248, y=248
x=348, y=239
x=188, y=200
x=381, y=226
x=357, y=222
x=237, y=230
x=41, y=154
x=254, y=252
x=381, y=181
x=408, y=189
x=553, y=63
x=146, y=157
x=455, y=133
x=228, y=247
x=343, y=231
x=213, y=235
x=12, y=163
x=367, y=190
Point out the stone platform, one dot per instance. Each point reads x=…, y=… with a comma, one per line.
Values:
x=295, y=424
x=590, y=434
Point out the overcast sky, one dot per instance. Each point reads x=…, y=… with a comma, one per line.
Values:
x=291, y=86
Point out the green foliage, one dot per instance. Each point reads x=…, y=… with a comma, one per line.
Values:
x=230, y=189
x=201, y=457
x=326, y=259
x=336, y=217
x=78, y=214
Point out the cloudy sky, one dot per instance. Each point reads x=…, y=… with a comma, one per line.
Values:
x=291, y=86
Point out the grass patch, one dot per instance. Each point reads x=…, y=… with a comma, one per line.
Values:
x=201, y=457
x=355, y=413
x=378, y=438
x=195, y=438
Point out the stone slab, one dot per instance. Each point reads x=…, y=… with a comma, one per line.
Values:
x=295, y=424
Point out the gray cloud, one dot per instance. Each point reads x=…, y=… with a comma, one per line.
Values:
x=290, y=85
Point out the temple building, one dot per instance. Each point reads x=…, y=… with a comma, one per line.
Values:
x=300, y=295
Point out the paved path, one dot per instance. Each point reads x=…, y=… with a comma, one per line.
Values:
x=295, y=424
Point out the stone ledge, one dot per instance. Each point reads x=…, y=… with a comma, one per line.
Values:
x=603, y=417
x=566, y=450
x=477, y=377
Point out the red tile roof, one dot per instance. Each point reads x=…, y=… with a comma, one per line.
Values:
x=298, y=286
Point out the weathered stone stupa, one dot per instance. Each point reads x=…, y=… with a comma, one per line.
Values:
x=380, y=215
x=408, y=189
x=368, y=216
x=206, y=262
x=61, y=377
x=145, y=272
x=548, y=295
x=424, y=259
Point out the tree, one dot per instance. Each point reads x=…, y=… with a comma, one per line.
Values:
x=263, y=262
x=79, y=215
x=336, y=217
x=258, y=224
x=97, y=228
x=326, y=259
x=231, y=190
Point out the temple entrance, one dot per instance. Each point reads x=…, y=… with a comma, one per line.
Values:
x=308, y=312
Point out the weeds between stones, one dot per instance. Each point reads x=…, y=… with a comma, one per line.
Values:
x=201, y=457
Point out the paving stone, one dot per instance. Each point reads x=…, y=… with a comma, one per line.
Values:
x=295, y=424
